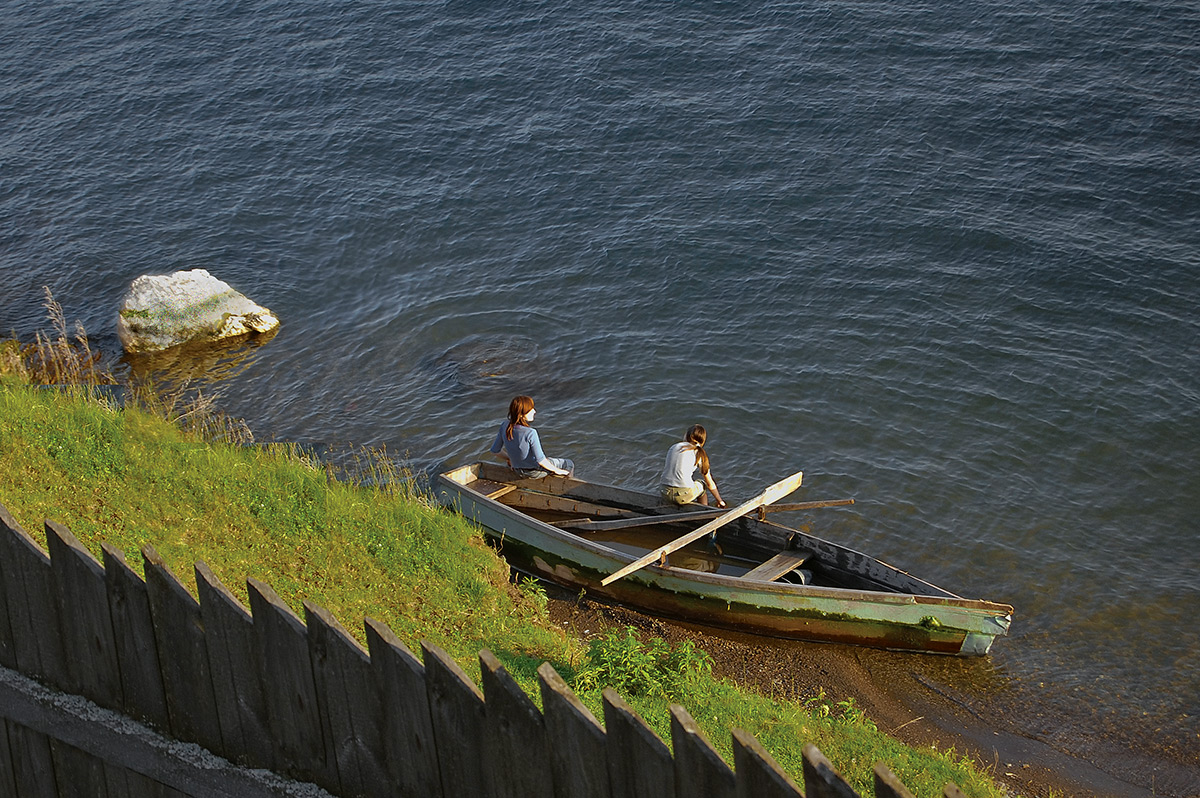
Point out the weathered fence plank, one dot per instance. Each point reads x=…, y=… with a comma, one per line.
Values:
x=700, y=772
x=515, y=751
x=87, y=627
x=887, y=785
x=456, y=709
x=124, y=783
x=239, y=701
x=409, y=748
x=8, y=784
x=639, y=763
x=32, y=763
x=282, y=645
x=349, y=701
x=8, y=651
x=134, y=642
x=577, y=757
x=77, y=772
x=758, y=774
x=182, y=654
x=32, y=610
x=820, y=779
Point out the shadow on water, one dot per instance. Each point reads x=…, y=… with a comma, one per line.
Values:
x=504, y=365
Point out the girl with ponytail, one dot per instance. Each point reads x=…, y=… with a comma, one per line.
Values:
x=517, y=444
x=683, y=460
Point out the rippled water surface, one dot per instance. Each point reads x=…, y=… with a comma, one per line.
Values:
x=945, y=260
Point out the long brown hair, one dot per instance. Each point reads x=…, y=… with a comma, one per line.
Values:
x=517, y=408
x=697, y=436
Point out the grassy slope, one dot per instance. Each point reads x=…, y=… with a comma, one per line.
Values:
x=133, y=480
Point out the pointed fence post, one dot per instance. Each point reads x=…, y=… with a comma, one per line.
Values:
x=240, y=704
x=820, y=779
x=183, y=656
x=134, y=642
x=87, y=627
x=577, y=757
x=407, y=727
x=36, y=645
x=456, y=708
x=699, y=769
x=887, y=785
x=639, y=763
x=758, y=774
x=348, y=700
x=516, y=736
x=8, y=650
x=281, y=643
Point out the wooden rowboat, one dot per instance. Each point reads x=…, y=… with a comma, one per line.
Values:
x=755, y=576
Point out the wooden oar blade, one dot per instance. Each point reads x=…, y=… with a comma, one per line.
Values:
x=784, y=508
x=771, y=494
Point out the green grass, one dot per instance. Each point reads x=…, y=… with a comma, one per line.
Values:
x=378, y=549
x=132, y=480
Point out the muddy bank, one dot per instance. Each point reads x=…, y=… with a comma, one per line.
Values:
x=1035, y=744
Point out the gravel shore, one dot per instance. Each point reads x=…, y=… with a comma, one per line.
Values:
x=1031, y=743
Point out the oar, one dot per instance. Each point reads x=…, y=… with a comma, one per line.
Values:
x=771, y=494
x=784, y=508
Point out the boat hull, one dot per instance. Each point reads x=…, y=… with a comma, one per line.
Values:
x=896, y=620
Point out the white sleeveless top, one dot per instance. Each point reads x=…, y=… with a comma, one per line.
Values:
x=681, y=465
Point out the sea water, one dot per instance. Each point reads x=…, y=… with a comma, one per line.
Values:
x=943, y=258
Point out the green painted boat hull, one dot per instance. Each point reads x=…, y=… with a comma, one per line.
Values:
x=906, y=613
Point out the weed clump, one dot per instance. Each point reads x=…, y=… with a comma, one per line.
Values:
x=618, y=659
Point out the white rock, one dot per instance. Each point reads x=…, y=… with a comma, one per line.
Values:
x=166, y=310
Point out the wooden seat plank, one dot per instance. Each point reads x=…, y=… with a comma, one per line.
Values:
x=489, y=487
x=778, y=565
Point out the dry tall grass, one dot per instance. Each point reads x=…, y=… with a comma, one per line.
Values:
x=60, y=358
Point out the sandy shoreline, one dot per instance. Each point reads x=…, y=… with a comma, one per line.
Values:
x=946, y=701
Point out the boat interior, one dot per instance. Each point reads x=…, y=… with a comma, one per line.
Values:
x=750, y=547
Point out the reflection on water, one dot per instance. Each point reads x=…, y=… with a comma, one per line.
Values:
x=208, y=363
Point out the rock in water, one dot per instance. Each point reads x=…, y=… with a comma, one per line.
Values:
x=162, y=311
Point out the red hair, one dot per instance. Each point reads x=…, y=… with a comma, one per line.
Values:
x=517, y=408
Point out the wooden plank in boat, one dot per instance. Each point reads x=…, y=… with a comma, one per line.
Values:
x=532, y=500
x=777, y=566
x=588, y=525
x=490, y=489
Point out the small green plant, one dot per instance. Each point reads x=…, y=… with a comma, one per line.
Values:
x=532, y=590
x=621, y=661
x=851, y=713
x=818, y=705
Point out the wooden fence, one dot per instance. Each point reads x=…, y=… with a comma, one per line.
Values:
x=263, y=689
